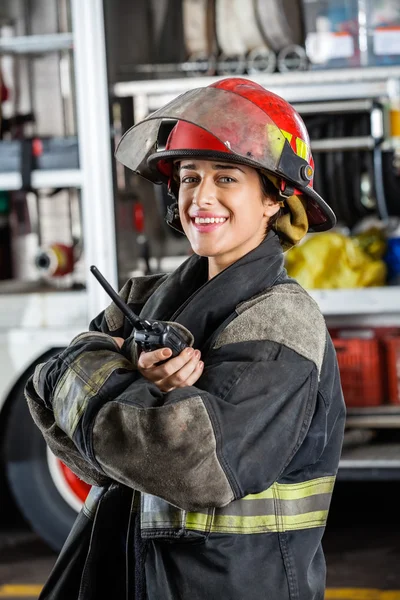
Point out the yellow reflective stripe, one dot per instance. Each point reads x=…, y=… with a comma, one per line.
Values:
x=304, y=521
x=198, y=521
x=287, y=135
x=295, y=491
x=301, y=148
x=275, y=522
x=275, y=141
x=265, y=494
x=260, y=524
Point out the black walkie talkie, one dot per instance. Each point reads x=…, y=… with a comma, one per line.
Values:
x=149, y=334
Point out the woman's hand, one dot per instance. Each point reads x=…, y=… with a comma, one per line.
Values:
x=181, y=371
x=120, y=341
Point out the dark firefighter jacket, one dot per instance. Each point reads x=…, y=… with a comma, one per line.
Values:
x=233, y=476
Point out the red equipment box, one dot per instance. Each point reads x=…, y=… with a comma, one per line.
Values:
x=360, y=368
x=392, y=363
x=369, y=363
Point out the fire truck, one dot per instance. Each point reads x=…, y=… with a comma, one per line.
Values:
x=39, y=318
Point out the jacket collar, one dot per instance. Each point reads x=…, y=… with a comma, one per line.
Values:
x=202, y=306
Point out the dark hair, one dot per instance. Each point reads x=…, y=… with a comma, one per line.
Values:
x=272, y=192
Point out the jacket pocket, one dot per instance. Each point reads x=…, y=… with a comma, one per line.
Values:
x=163, y=521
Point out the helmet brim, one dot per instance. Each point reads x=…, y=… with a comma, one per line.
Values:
x=317, y=208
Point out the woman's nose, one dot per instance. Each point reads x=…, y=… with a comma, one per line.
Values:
x=205, y=193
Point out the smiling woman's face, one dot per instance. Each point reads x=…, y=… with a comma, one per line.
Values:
x=223, y=210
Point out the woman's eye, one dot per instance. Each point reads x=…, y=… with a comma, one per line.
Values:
x=226, y=179
x=188, y=179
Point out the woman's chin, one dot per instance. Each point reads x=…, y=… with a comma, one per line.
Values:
x=205, y=250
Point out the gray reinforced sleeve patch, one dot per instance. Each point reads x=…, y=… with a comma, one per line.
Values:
x=135, y=291
x=169, y=451
x=285, y=314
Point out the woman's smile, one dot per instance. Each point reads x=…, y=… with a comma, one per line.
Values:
x=205, y=222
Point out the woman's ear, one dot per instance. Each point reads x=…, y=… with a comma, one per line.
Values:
x=271, y=207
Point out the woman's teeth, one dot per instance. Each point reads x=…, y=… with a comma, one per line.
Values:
x=201, y=220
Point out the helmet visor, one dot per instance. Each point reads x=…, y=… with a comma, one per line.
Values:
x=246, y=131
x=244, y=128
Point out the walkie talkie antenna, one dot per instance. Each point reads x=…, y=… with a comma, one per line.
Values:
x=150, y=334
x=124, y=308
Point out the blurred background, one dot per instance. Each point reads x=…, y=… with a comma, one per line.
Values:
x=74, y=76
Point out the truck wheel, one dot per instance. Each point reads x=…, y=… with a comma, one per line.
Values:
x=48, y=494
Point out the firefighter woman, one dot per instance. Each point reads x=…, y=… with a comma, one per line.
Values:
x=212, y=470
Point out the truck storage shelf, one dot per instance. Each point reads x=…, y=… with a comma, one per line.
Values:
x=18, y=286
x=371, y=461
x=305, y=86
x=359, y=301
x=378, y=417
x=43, y=179
x=36, y=44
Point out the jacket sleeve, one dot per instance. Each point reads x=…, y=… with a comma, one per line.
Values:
x=110, y=321
x=231, y=435
x=42, y=414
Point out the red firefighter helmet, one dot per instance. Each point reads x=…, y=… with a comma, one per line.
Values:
x=236, y=120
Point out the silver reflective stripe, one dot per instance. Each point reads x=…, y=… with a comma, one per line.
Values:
x=157, y=513
x=92, y=501
x=258, y=508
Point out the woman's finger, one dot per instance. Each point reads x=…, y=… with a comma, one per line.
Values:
x=166, y=386
x=168, y=368
x=197, y=373
x=179, y=378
